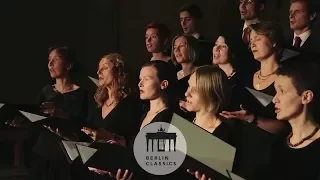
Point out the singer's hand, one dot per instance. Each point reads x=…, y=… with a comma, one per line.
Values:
x=16, y=122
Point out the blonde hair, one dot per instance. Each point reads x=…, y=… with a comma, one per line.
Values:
x=213, y=88
x=192, y=44
x=120, y=80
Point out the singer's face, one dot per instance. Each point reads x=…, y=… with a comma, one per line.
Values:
x=57, y=65
x=194, y=102
x=220, y=52
x=288, y=103
x=105, y=73
x=149, y=84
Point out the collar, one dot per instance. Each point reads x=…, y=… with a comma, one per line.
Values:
x=245, y=25
x=196, y=35
x=304, y=36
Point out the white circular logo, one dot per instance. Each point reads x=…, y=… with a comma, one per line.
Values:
x=160, y=148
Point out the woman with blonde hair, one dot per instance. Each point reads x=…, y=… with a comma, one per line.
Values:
x=118, y=111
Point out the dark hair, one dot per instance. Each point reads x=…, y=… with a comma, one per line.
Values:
x=164, y=72
x=193, y=9
x=236, y=48
x=67, y=54
x=312, y=5
x=304, y=71
x=163, y=30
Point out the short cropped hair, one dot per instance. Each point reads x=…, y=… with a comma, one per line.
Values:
x=312, y=5
x=304, y=71
x=213, y=87
x=193, y=9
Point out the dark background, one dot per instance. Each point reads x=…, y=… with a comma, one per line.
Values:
x=95, y=28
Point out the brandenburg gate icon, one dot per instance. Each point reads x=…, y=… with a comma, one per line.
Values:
x=161, y=136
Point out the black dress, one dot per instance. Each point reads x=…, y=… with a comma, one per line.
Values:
x=252, y=142
x=293, y=164
x=181, y=87
x=49, y=161
x=123, y=120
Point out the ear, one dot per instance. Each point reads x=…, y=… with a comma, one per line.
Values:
x=69, y=67
x=313, y=16
x=165, y=41
x=261, y=7
x=307, y=97
x=164, y=84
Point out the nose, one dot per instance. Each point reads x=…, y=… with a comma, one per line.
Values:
x=183, y=22
x=242, y=5
x=140, y=83
x=187, y=94
x=99, y=71
x=252, y=43
x=148, y=39
x=50, y=63
x=291, y=15
x=176, y=49
x=275, y=99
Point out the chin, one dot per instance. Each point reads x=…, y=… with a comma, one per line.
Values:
x=143, y=97
x=281, y=117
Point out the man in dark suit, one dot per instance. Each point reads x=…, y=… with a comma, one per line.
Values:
x=250, y=13
x=302, y=15
x=190, y=15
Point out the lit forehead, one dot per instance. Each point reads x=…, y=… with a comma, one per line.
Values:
x=180, y=40
x=148, y=71
x=53, y=54
x=192, y=80
x=283, y=81
x=220, y=40
x=105, y=63
x=298, y=6
x=185, y=14
x=152, y=31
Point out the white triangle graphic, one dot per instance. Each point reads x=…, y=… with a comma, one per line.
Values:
x=1, y=104
x=94, y=80
x=263, y=98
x=33, y=117
x=85, y=152
x=71, y=148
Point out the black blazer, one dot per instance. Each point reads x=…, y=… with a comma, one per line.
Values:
x=312, y=44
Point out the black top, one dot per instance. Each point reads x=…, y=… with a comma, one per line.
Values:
x=237, y=86
x=253, y=105
x=180, y=89
x=293, y=164
x=73, y=103
x=122, y=120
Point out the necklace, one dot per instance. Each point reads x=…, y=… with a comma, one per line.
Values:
x=156, y=112
x=213, y=125
x=304, y=139
x=110, y=103
x=262, y=78
x=232, y=73
x=63, y=90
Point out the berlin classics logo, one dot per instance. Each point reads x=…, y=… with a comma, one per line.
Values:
x=160, y=148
